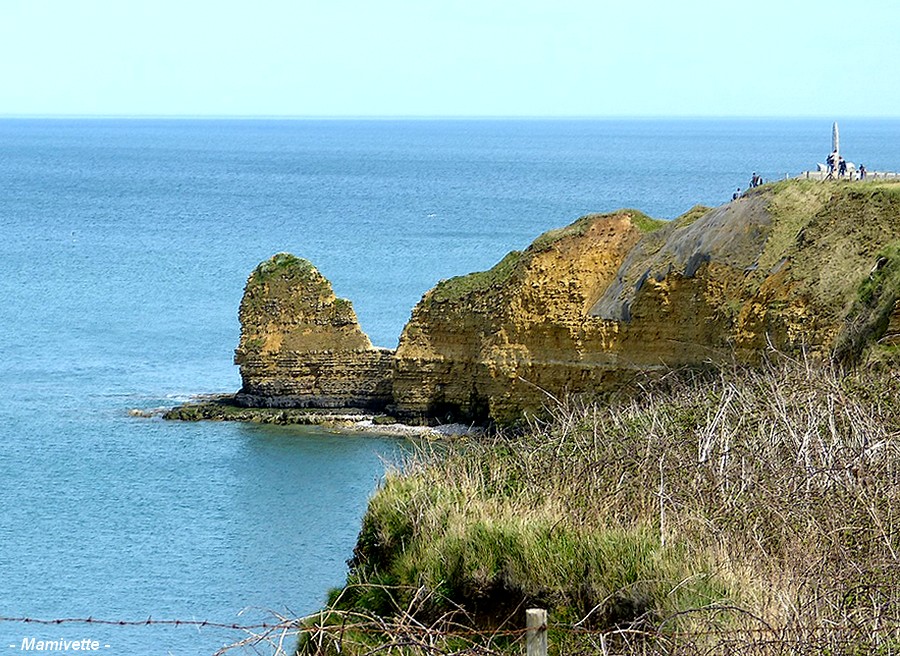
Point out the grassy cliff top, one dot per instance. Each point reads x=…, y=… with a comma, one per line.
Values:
x=283, y=265
x=514, y=261
x=291, y=279
x=479, y=281
x=824, y=237
x=691, y=215
x=640, y=220
x=831, y=233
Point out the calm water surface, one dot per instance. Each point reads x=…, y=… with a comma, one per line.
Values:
x=125, y=247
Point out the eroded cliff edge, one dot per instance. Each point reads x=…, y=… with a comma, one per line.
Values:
x=302, y=347
x=795, y=265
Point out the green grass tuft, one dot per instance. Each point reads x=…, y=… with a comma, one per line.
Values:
x=483, y=281
x=480, y=281
x=282, y=263
x=691, y=215
x=877, y=296
x=754, y=501
x=643, y=222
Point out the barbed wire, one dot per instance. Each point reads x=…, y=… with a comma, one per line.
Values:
x=368, y=625
x=148, y=622
x=348, y=629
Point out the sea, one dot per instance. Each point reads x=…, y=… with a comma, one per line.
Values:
x=125, y=245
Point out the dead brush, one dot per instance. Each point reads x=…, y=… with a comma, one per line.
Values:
x=785, y=477
x=751, y=511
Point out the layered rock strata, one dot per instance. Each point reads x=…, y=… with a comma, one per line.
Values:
x=796, y=265
x=507, y=341
x=302, y=347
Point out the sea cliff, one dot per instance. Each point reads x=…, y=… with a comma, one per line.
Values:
x=792, y=266
x=302, y=347
x=745, y=506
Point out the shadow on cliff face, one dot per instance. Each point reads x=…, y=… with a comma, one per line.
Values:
x=585, y=306
x=733, y=235
x=476, y=411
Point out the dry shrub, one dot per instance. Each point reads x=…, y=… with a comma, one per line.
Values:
x=750, y=511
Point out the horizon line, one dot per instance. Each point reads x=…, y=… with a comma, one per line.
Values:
x=440, y=117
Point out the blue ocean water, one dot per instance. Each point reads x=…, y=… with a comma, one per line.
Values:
x=124, y=248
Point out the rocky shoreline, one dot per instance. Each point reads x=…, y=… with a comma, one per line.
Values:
x=342, y=420
x=585, y=310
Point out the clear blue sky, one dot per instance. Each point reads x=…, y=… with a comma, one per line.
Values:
x=450, y=57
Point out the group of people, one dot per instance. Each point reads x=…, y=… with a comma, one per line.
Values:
x=836, y=163
x=755, y=181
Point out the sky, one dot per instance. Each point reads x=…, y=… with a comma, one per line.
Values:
x=586, y=58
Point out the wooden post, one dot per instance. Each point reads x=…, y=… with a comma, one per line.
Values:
x=536, y=636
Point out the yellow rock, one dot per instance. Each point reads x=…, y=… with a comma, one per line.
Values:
x=584, y=308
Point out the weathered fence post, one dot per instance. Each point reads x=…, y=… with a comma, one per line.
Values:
x=536, y=636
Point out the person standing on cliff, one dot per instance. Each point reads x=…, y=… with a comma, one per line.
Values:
x=862, y=171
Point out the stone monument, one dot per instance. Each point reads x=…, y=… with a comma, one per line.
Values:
x=835, y=140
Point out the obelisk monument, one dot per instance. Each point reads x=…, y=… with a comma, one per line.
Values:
x=835, y=141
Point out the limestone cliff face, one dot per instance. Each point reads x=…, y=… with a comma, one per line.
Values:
x=497, y=343
x=793, y=265
x=581, y=310
x=781, y=267
x=301, y=346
